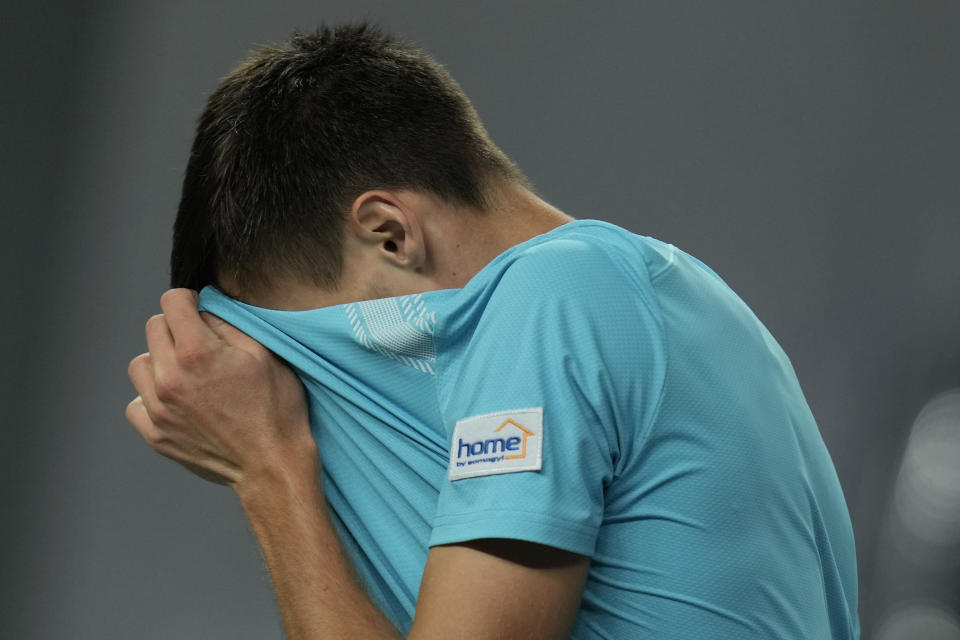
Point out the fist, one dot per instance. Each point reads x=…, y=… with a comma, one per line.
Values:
x=215, y=400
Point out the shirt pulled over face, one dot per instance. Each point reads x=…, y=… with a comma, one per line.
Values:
x=368, y=369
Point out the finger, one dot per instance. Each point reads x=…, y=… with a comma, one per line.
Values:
x=141, y=375
x=137, y=415
x=231, y=335
x=140, y=372
x=160, y=343
x=190, y=333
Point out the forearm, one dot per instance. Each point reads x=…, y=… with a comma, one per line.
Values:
x=316, y=589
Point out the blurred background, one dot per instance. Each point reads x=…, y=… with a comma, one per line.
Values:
x=808, y=151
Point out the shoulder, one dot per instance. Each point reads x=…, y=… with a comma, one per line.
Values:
x=583, y=277
x=586, y=275
x=581, y=255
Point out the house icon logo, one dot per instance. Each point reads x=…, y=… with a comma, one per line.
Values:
x=493, y=443
x=526, y=433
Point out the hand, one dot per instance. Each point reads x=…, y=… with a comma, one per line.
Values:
x=215, y=400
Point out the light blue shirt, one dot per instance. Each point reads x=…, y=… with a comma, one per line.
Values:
x=663, y=433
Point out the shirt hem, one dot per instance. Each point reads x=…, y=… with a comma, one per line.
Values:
x=515, y=525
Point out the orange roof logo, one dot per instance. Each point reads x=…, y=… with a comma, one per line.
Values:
x=526, y=434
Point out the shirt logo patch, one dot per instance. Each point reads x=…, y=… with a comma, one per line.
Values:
x=501, y=442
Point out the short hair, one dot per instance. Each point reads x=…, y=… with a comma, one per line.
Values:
x=293, y=135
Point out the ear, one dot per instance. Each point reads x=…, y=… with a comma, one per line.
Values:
x=389, y=222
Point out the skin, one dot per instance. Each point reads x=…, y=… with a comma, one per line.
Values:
x=216, y=401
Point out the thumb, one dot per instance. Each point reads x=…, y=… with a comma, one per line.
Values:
x=231, y=335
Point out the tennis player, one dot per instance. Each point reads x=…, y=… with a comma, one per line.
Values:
x=449, y=409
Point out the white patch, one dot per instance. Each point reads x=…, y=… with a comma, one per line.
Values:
x=501, y=442
x=399, y=328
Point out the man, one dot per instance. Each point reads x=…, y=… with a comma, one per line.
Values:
x=529, y=426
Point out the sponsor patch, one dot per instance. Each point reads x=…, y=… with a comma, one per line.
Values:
x=501, y=442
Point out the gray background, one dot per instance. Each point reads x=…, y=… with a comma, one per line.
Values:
x=807, y=151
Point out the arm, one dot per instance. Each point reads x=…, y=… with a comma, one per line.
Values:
x=477, y=590
x=216, y=401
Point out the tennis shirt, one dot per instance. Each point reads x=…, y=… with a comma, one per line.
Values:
x=591, y=390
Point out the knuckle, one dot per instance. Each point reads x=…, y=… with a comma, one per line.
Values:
x=169, y=295
x=145, y=422
x=155, y=408
x=136, y=364
x=159, y=414
x=176, y=296
x=157, y=440
x=155, y=323
x=192, y=356
x=168, y=387
x=155, y=320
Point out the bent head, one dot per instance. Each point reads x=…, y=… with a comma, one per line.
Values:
x=338, y=162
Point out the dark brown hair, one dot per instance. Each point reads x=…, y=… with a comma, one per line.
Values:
x=293, y=135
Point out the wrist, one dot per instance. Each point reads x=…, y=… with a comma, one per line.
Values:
x=292, y=475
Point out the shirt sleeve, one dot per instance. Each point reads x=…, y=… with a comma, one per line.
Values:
x=569, y=332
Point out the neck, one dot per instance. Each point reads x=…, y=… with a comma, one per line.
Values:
x=515, y=216
x=523, y=215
